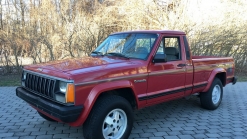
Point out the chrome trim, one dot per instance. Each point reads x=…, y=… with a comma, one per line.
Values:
x=112, y=79
x=139, y=81
x=166, y=72
x=48, y=76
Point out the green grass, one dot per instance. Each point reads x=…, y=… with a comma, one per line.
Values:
x=242, y=78
x=10, y=80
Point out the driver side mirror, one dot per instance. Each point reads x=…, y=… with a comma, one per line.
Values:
x=159, y=58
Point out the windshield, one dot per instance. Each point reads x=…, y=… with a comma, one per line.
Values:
x=128, y=45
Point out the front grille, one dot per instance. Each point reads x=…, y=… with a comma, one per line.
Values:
x=40, y=85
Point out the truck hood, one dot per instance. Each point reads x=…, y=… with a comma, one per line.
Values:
x=75, y=63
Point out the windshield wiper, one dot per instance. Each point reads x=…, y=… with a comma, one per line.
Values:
x=98, y=53
x=117, y=54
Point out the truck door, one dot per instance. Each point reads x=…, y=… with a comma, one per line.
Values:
x=166, y=79
x=189, y=68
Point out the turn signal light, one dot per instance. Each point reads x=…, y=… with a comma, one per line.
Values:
x=70, y=94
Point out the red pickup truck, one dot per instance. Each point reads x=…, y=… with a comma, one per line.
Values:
x=129, y=70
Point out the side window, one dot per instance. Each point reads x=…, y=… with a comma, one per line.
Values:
x=171, y=47
x=187, y=48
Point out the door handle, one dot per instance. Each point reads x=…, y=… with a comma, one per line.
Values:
x=181, y=65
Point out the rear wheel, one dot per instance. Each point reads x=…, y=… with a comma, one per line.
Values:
x=212, y=98
x=110, y=118
x=46, y=117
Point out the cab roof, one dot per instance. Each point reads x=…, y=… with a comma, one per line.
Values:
x=154, y=31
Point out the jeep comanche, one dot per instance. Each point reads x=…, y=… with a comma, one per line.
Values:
x=129, y=70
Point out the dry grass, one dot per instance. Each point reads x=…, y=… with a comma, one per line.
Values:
x=242, y=76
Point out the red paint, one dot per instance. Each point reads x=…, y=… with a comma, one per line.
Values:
x=95, y=75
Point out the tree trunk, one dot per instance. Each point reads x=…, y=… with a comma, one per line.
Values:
x=1, y=15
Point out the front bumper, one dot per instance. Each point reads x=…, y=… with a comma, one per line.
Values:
x=234, y=80
x=64, y=113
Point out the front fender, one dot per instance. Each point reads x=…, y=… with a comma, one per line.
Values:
x=212, y=76
x=94, y=94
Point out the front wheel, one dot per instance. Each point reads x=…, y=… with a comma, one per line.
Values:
x=212, y=98
x=110, y=118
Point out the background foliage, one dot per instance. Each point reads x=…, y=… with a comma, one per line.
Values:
x=34, y=31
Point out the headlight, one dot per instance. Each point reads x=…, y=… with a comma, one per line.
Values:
x=66, y=92
x=24, y=76
x=60, y=97
x=62, y=87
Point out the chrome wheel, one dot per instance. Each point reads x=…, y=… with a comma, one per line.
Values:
x=216, y=94
x=115, y=124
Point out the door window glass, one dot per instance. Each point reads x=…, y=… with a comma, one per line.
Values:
x=171, y=47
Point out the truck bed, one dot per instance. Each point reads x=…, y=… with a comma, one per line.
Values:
x=204, y=66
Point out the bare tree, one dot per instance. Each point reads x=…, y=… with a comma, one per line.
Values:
x=45, y=30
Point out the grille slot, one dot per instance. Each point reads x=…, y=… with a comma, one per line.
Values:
x=40, y=85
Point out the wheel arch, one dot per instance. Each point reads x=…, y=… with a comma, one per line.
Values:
x=219, y=73
x=222, y=77
x=110, y=88
x=126, y=92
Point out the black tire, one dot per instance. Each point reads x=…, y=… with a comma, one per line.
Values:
x=208, y=99
x=46, y=117
x=93, y=126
